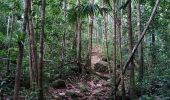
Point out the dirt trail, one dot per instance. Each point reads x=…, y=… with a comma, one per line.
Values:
x=81, y=87
x=96, y=55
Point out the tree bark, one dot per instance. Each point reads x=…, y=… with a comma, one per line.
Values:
x=64, y=35
x=114, y=47
x=21, y=53
x=75, y=26
x=79, y=38
x=8, y=61
x=131, y=64
x=139, y=41
x=153, y=53
x=33, y=54
x=90, y=32
x=18, y=70
x=121, y=59
x=105, y=19
x=40, y=71
x=140, y=50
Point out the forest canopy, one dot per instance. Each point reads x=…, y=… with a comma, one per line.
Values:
x=84, y=49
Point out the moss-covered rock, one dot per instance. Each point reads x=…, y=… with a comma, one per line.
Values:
x=59, y=84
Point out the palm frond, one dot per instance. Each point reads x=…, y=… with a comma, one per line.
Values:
x=83, y=10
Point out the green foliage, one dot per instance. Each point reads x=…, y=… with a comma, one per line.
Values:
x=1, y=37
x=83, y=10
x=157, y=76
x=156, y=84
x=29, y=94
x=20, y=37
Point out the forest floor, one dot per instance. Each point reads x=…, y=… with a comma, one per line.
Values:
x=84, y=87
x=96, y=55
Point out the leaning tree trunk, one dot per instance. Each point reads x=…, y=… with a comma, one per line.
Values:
x=40, y=65
x=131, y=65
x=21, y=53
x=139, y=41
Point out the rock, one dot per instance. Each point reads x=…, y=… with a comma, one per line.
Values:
x=59, y=84
x=101, y=66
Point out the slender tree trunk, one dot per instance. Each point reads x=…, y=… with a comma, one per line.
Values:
x=40, y=71
x=21, y=53
x=120, y=27
x=97, y=34
x=8, y=31
x=33, y=54
x=30, y=60
x=8, y=25
x=10, y=36
x=106, y=37
x=114, y=46
x=79, y=38
x=153, y=55
x=139, y=41
x=90, y=32
x=131, y=65
x=121, y=59
x=64, y=35
x=18, y=70
x=75, y=26
x=140, y=51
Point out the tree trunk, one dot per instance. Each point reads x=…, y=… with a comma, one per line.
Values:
x=64, y=35
x=40, y=71
x=18, y=70
x=121, y=59
x=33, y=54
x=114, y=47
x=105, y=19
x=90, y=32
x=140, y=50
x=131, y=65
x=8, y=31
x=139, y=41
x=153, y=53
x=75, y=26
x=79, y=39
x=21, y=52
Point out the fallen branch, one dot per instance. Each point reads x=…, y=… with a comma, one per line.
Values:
x=141, y=38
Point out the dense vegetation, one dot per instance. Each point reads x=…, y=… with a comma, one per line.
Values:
x=84, y=49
